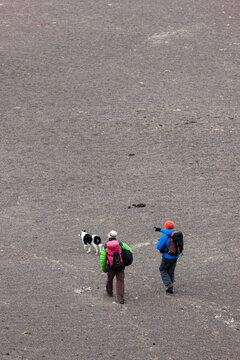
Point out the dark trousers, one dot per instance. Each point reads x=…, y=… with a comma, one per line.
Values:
x=119, y=283
x=167, y=270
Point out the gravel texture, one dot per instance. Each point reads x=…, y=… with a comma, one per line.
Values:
x=119, y=115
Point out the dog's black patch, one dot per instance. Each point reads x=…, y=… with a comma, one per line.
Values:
x=87, y=239
x=97, y=240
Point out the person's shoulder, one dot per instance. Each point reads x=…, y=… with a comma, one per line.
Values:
x=170, y=231
x=123, y=245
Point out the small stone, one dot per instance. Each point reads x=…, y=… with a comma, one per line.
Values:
x=139, y=205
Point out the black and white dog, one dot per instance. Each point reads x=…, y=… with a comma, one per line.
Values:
x=89, y=240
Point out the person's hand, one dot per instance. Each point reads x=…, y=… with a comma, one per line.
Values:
x=157, y=228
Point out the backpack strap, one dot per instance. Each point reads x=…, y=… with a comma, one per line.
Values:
x=166, y=248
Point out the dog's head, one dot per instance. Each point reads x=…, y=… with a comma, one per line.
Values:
x=86, y=237
x=82, y=234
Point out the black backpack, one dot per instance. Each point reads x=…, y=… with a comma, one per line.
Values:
x=176, y=244
x=127, y=257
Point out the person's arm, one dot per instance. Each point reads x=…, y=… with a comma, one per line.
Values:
x=160, y=229
x=103, y=259
x=162, y=241
x=167, y=231
x=126, y=247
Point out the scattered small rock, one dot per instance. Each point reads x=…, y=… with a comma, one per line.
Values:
x=139, y=205
x=190, y=122
x=27, y=332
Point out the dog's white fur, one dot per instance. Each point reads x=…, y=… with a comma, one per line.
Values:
x=89, y=240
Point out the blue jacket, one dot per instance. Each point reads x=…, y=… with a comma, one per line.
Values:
x=165, y=239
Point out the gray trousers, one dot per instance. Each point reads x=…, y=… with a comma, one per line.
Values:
x=167, y=270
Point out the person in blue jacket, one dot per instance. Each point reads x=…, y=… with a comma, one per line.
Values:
x=169, y=262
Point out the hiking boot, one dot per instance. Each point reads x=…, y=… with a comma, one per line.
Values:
x=169, y=289
x=121, y=302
